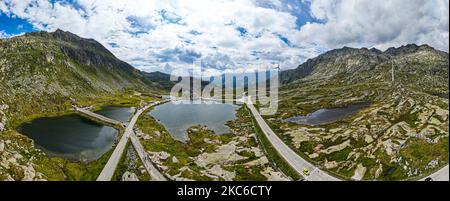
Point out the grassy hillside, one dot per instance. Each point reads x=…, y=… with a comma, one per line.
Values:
x=46, y=72
x=402, y=134
x=43, y=74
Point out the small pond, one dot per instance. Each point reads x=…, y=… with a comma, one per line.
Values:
x=70, y=136
x=327, y=116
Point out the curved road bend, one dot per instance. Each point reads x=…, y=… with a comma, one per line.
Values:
x=110, y=167
x=298, y=163
x=292, y=158
x=441, y=175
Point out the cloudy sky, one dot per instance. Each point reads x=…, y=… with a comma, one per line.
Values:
x=232, y=35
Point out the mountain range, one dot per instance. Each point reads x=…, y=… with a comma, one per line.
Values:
x=41, y=71
x=407, y=87
x=421, y=67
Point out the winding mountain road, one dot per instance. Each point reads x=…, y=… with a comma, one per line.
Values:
x=441, y=175
x=110, y=167
x=97, y=116
x=298, y=163
x=155, y=175
x=292, y=158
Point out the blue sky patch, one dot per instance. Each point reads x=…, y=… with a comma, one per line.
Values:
x=242, y=31
x=14, y=25
x=170, y=17
x=229, y=33
x=178, y=55
x=284, y=39
x=114, y=45
x=195, y=33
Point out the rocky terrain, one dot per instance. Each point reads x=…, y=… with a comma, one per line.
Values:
x=130, y=167
x=17, y=162
x=43, y=74
x=206, y=156
x=402, y=134
x=420, y=67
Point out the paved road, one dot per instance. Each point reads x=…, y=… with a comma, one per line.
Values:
x=292, y=158
x=110, y=167
x=154, y=173
x=97, y=116
x=441, y=175
x=298, y=163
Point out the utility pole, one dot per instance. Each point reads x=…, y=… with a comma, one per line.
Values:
x=392, y=72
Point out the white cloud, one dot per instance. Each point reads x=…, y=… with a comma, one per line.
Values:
x=371, y=23
x=140, y=30
x=3, y=34
x=161, y=35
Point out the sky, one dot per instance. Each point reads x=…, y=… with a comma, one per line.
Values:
x=232, y=35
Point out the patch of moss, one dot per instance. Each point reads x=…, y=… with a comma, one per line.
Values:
x=272, y=154
x=340, y=155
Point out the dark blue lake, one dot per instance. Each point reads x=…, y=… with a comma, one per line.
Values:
x=71, y=137
x=327, y=116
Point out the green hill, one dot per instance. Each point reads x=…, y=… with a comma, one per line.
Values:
x=44, y=72
x=401, y=134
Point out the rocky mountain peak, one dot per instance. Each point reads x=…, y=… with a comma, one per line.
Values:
x=354, y=62
x=407, y=49
x=65, y=35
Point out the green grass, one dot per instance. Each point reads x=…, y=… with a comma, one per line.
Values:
x=340, y=155
x=272, y=153
x=54, y=168
x=122, y=167
x=59, y=169
x=166, y=143
x=244, y=174
x=419, y=153
x=125, y=165
x=184, y=151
